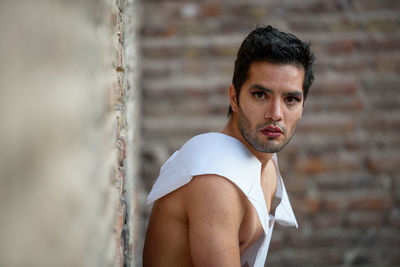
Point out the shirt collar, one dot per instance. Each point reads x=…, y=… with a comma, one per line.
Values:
x=284, y=214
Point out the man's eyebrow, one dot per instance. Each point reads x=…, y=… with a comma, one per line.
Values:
x=294, y=93
x=290, y=93
x=262, y=88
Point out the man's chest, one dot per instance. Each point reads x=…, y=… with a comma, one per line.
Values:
x=251, y=228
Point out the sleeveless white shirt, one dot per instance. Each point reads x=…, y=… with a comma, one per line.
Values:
x=223, y=155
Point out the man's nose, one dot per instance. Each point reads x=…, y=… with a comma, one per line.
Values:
x=274, y=111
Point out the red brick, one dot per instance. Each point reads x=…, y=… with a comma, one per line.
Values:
x=394, y=218
x=276, y=242
x=163, y=31
x=315, y=7
x=356, y=89
x=387, y=65
x=331, y=205
x=345, y=66
x=301, y=25
x=312, y=166
x=396, y=189
x=342, y=104
x=389, y=236
x=326, y=164
x=382, y=25
x=326, y=124
x=380, y=86
x=227, y=51
x=371, y=203
x=327, y=220
x=384, y=162
x=373, y=45
x=334, y=88
x=384, y=122
x=296, y=186
x=155, y=73
x=334, y=183
x=395, y=260
x=365, y=219
x=211, y=10
x=329, y=256
x=307, y=205
x=374, y=4
x=344, y=25
x=342, y=46
x=160, y=53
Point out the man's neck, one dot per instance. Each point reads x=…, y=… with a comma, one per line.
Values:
x=232, y=129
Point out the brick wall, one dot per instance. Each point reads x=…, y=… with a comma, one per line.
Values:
x=342, y=167
x=69, y=133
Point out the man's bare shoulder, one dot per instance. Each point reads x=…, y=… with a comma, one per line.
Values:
x=197, y=223
x=215, y=208
x=212, y=194
x=203, y=194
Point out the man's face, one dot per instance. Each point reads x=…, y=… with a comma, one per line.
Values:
x=270, y=105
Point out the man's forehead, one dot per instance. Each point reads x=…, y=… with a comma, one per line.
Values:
x=267, y=74
x=256, y=65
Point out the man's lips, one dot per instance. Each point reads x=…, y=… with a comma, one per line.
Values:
x=272, y=131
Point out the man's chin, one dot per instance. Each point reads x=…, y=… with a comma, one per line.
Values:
x=270, y=150
x=271, y=146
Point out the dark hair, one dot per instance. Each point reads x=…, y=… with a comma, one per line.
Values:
x=271, y=45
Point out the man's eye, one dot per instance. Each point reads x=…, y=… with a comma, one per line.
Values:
x=292, y=100
x=259, y=95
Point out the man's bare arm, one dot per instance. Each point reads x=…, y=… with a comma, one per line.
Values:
x=215, y=209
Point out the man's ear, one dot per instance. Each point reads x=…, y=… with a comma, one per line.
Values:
x=233, y=98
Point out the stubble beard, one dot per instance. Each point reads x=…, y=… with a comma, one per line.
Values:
x=253, y=138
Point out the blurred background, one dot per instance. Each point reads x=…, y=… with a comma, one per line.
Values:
x=95, y=95
x=342, y=167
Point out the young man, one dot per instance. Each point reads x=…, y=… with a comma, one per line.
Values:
x=217, y=198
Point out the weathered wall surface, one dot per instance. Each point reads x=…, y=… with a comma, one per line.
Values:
x=68, y=119
x=342, y=168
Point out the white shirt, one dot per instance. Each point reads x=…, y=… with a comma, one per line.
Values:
x=223, y=155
